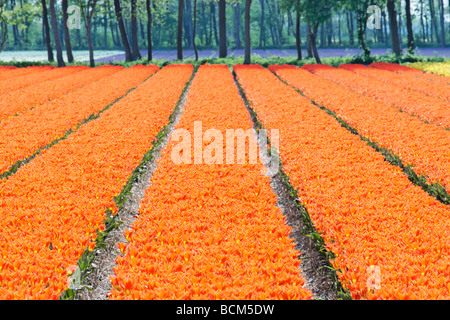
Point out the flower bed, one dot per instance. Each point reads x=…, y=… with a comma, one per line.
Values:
x=21, y=137
x=32, y=96
x=53, y=207
x=209, y=231
x=421, y=145
x=389, y=237
x=427, y=108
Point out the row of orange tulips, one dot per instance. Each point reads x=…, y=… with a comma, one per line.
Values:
x=390, y=238
x=421, y=145
x=407, y=81
x=7, y=68
x=403, y=69
x=21, y=137
x=9, y=85
x=411, y=70
x=209, y=231
x=28, y=97
x=52, y=207
x=427, y=108
x=10, y=72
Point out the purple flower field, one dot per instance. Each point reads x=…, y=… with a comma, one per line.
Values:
x=324, y=53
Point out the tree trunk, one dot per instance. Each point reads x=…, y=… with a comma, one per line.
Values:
x=222, y=29
x=262, y=33
x=247, y=58
x=237, y=25
x=59, y=54
x=313, y=36
x=134, y=32
x=15, y=28
x=433, y=19
x=180, y=30
x=392, y=11
x=411, y=45
x=212, y=8
x=90, y=45
x=61, y=33
x=308, y=42
x=88, y=26
x=279, y=18
x=46, y=27
x=122, y=30
x=400, y=25
x=112, y=26
x=273, y=33
x=422, y=24
x=105, y=26
x=4, y=35
x=330, y=31
x=323, y=36
x=442, y=20
x=298, y=39
x=66, y=32
x=383, y=16
x=362, y=17
x=291, y=25
x=149, y=30
x=195, y=30
x=339, y=29
x=351, y=29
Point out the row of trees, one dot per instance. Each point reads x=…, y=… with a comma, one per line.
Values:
x=189, y=23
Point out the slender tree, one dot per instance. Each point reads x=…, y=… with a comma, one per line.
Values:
x=248, y=41
x=433, y=19
x=350, y=27
x=362, y=15
x=442, y=22
x=112, y=26
x=409, y=28
x=422, y=24
x=4, y=26
x=316, y=12
x=392, y=12
x=195, y=30
x=46, y=27
x=298, y=39
x=308, y=41
x=180, y=30
x=212, y=9
x=59, y=55
x=66, y=32
x=262, y=30
x=222, y=29
x=122, y=31
x=134, y=32
x=383, y=18
x=87, y=10
x=288, y=5
x=149, y=29
x=237, y=24
x=105, y=24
